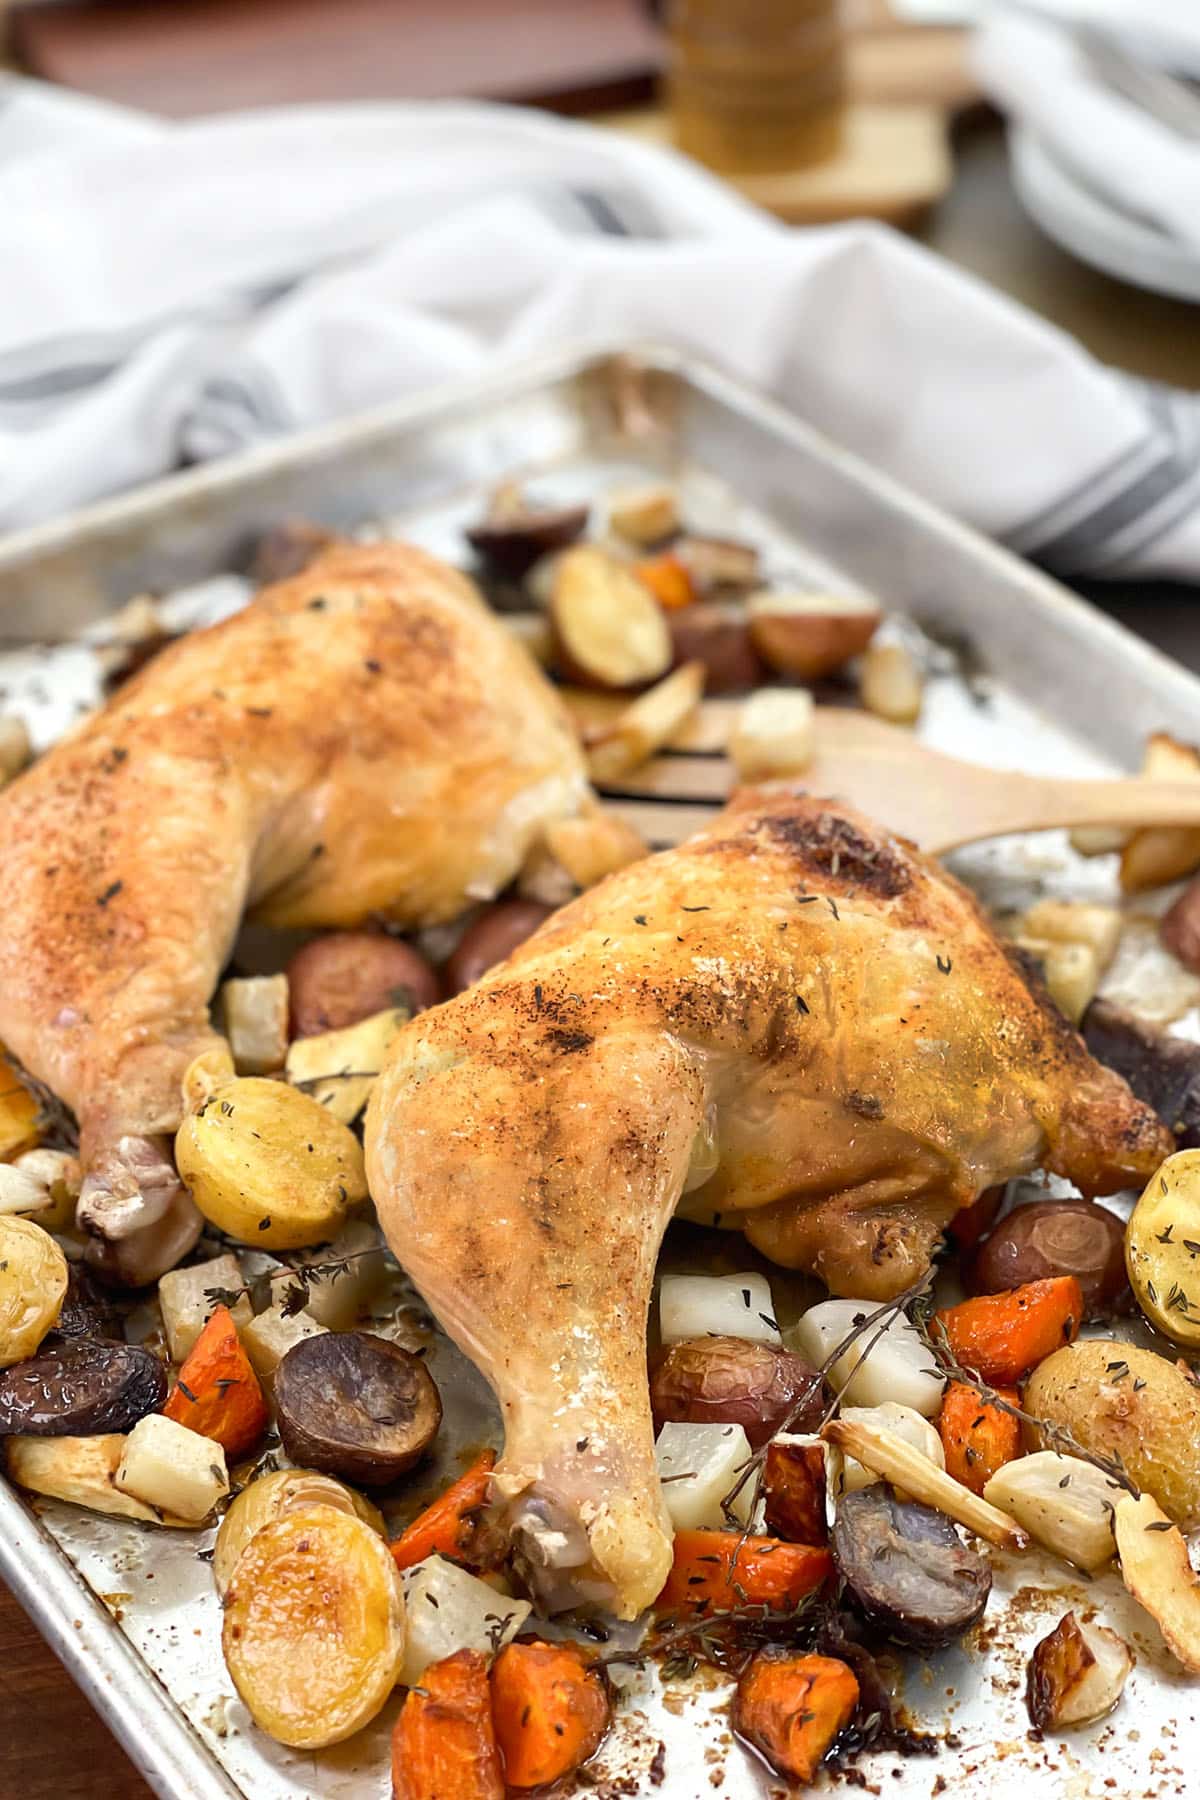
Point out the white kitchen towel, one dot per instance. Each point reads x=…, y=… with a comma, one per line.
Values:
x=1034, y=69
x=170, y=292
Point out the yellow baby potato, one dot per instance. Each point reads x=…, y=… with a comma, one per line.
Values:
x=269, y=1165
x=314, y=1626
x=33, y=1280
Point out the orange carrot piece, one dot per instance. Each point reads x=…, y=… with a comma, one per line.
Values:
x=550, y=1710
x=446, y=1526
x=716, y=1570
x=669, y=580
x=217, y=1393
x=1002, y=1336
x=791, y=1708
x=977, y=1437
x=794, y=1485
x=444, y=1744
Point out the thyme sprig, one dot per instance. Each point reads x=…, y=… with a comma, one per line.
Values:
x=1058, y=1437
x=261, y=1291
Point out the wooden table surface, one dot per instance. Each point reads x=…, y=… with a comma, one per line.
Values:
x=52, y=1745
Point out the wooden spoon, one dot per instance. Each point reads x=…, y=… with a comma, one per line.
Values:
x=935, y=799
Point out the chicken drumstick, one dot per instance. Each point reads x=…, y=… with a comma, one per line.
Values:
x=794, y=1023
x=363, y=740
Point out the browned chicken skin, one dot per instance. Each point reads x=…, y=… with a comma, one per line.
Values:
x=362, y=740
x=793, y=1023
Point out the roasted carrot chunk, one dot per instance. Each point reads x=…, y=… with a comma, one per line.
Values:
x=444, y=1744
x=550, y=1710
x=1003, y=1336
x=977, y=1438
x=794, y=1483
x=446, y=1527
x=217, y=1393
x=791, y=1708
x=669, y=580
x=716, y=1570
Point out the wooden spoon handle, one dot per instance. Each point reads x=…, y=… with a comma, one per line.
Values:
x=1032, y=803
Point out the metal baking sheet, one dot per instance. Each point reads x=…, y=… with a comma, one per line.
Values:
x=131, y=1609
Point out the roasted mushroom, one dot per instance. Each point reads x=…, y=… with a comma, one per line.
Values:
x=1163, y=1071
x=355, y=1405
x=516, y=533
x=81, y=1390
x=732, y=1381
x=906, y=1570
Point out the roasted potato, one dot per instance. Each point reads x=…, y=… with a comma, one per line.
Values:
x=1162, y=853
x=490, y=937
x=644, y=515
x=594, y=845
x=19, y=1128
x=906, y=1570
x=810, y=635
x=610, y=630
x=732, y=1381
x=1162, y=1248
x=717, y=564
x=1118, y=1400
x=350, y=1403
x=346, y=976
x=716, y=634
x=648, y=723
x=1055, y=1237
x=33, y=1284
x=272, y=1497
x=314, y=1628
x=339, y=1068
x=269, y=1165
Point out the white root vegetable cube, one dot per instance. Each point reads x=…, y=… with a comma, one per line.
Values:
x=339, y=1299
x=253, y=1014
x=449, y=1610
x=773, y=734
x=890, y=683
x=175, y=1470
x=186, y=1307
x=740, y=1306
x=268, y=1338
x=887, y=1361
x=698, y=1465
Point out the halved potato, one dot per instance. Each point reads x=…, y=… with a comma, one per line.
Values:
x=1162, y=853
x=33, y=1281
x=890, y=684
x=1075, y=922
x=314, y=1626
x=270, y=1165
x=609, y=628
x=716, y=634
x=644, y=515
x=646, y=724
x=1162, y=1248
x=272, y=1497
x=810, y=635
x=19, y=1128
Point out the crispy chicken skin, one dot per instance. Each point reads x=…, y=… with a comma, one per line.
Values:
x=793, y=1023
x=362, y=740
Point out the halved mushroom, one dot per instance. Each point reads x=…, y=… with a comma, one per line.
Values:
x=81, y=1390
x=906, y=1570
x=1077, y=1673
x=515, y=532
x=355, y=1405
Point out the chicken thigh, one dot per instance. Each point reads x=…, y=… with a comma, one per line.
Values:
x=364, y=740
x=794, y=1024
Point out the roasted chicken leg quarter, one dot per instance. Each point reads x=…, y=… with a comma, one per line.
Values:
x=364, y=740
x=793, y=1023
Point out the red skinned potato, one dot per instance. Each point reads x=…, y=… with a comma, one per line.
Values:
x=1180, y=928
x=336, y=980
x=810, y=635
x=716, y=633
x=971, y=1223
x=731, y=1381
x=491, y=937
x=1055, y=1237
